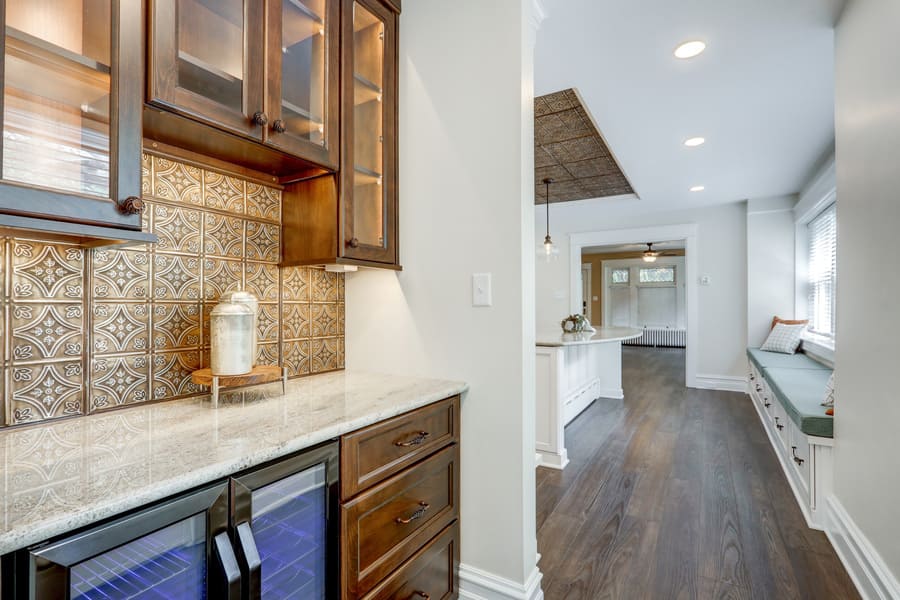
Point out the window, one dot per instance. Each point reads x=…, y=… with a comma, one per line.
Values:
x=657, y=274
x=619, y=276
x=822, y=233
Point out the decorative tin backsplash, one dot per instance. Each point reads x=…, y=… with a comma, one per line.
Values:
x=87, y=330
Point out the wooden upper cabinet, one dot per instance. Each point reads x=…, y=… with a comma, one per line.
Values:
x=369, y=119
x=266, y=70
x=351, y=217
x=71, y=118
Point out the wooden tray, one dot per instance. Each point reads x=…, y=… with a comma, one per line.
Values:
x=260, y=374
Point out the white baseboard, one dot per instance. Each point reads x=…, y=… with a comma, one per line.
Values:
x=552, y=460
x=475, y=584
x=725, y=383
x=614, y=393
x=872, y=577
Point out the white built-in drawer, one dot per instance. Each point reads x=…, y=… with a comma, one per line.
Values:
x=799, y=454
x=781, y=423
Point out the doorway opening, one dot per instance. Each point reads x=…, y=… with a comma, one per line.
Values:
x=643, y=278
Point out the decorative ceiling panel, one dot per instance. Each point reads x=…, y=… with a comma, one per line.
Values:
x=569, y=149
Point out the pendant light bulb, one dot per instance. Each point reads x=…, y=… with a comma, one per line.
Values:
x=549, y=251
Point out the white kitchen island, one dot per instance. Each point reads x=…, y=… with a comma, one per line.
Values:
x=573, y=370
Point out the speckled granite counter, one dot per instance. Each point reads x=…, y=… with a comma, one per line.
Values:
x=64, y=475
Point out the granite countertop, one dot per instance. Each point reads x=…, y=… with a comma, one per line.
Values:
x=601, y=336
x=63, y=475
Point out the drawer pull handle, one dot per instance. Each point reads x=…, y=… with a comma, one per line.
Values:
x=419, y=594
x=778, y=425
x=758, y=388
x=420, y=512
x=766, y=402
x=797, y=459
x=752, y=377
x=416, y=441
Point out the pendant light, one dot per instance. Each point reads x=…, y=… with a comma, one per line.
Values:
x=548, y=250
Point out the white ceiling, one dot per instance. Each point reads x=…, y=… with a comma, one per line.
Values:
x=762, y=94
x=676, y=245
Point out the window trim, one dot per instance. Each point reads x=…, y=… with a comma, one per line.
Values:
x=820, y=346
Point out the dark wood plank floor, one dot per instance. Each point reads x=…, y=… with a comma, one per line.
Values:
x=676, y=493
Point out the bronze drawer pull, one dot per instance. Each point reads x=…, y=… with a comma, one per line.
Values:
x=419, y=594
x=420, y=512
x=416, y=441
x=797, y=459
x=260, y=118
x=778, y=425
x=279, y=126
x=766, y=402
x=132, y=205
x=758, y=388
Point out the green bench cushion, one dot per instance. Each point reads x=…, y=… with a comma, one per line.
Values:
x=801, y=392
x=764, y=360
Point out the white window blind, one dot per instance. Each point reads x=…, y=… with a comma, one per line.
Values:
x=822, y=271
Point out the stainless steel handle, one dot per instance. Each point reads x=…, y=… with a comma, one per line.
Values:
x=231, y=572
x=416, y=441
x=249, y=560
x=420, y=512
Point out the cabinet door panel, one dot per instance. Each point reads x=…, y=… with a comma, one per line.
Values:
x=369, y=180
x=208, y=60
x=303, y=78
x=70, y=108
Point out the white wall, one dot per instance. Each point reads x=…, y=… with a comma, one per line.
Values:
x=770, y=264
x=867, y=409
x=722, y=250
x=466, y=164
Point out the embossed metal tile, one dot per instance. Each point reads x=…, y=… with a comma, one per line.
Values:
x=148, y=306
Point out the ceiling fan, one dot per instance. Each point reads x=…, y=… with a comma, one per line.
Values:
x=650, y=255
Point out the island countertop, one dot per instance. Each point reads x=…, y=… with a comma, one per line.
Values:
x=62, y=475
x=603, y=335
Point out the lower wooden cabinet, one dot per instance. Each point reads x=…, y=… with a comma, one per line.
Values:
x=429, y=574
x=400, y=535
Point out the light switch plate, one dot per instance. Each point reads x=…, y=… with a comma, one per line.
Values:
x=481, y=289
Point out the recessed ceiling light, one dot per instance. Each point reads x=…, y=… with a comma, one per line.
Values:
x=694, y=142
x=698, y=188
x=690, y=49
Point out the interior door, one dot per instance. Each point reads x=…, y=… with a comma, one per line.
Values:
x=207, y=61
x=285, y=525
x=178, y=549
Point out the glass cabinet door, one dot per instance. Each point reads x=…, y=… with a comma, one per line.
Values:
x=370, y=181
x=177, y=550
x=71, y=107
x=283, y=529
x=302, y=102
x=208, y=61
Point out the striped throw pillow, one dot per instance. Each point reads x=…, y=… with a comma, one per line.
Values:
x=784, y=338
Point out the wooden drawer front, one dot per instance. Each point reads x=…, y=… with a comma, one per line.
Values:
x=430, y=573
x=373, y=454
x=386, y=525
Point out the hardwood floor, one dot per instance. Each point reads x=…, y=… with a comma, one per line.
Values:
x=676, y=493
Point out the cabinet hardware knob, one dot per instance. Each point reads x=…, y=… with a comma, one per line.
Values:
x=353, y=243
x=260, y=118
x=132, y=205
x=416, y=441
x=797, y=459
x=752, y=377
x=279, y=126
x=766, y=403
x=419, y=594
x=420, y=512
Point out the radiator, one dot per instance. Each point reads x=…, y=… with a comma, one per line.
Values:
x=660, y=338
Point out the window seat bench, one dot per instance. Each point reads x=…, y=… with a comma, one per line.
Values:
x=787, y=392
